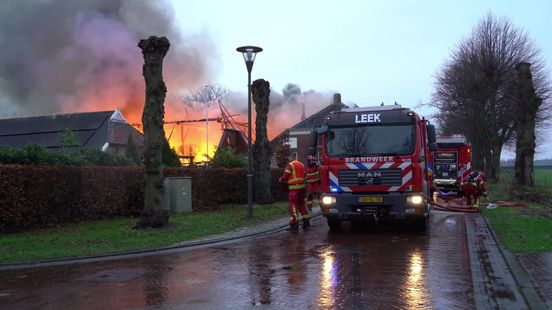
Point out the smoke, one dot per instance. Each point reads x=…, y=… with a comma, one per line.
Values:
x=285, y=107
x=72, y=56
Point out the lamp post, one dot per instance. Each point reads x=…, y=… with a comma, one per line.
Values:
x=249, y=52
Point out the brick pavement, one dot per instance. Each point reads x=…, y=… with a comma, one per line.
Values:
x=538, y=266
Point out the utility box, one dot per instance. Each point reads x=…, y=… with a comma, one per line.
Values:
x=178, y=194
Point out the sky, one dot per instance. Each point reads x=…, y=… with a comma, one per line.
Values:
x=369, y=51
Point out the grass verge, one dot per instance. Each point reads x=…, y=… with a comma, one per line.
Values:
x=117, y=235
x=523, y=229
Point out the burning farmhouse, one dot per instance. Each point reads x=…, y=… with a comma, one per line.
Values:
x=110, y=132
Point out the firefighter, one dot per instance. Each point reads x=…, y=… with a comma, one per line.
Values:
x=313, y=181
x=473, y=187
x=294, y=176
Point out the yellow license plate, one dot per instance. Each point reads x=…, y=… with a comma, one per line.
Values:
x=371, y=199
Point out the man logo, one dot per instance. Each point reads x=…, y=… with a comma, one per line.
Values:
x=368, y=174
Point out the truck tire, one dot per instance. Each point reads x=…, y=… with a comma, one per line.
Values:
x=420, y=224
x=335, y=225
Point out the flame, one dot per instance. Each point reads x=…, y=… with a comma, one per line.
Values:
x=198, y=139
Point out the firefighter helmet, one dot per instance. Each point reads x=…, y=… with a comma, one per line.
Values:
x=473, y=176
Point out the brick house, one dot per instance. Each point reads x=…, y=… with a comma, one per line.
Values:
x=299, y=134
x=104, y=130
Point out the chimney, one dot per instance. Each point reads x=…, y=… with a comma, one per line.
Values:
x=337, y=98
x=303, y=110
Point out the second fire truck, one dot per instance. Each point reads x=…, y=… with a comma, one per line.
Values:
x=452, y=162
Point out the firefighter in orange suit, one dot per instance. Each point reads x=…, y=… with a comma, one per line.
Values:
x=294, y=176
x=473, y=187
x=313, y=181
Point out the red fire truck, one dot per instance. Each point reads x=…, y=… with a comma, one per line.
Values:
x=452, y=162
x=374, y=164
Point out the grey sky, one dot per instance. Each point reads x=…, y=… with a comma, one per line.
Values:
x=369, y=51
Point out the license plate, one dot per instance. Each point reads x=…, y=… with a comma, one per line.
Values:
x=371, y=199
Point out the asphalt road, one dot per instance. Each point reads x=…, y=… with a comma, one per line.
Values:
x=389, y=268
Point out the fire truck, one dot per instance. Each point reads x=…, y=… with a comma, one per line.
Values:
x=374, y=165
x=452, y=162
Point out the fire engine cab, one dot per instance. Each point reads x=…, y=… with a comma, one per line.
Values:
x=374, y=165
x=452, y=162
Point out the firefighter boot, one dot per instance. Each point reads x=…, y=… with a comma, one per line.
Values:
x=293, y=227
x=306, y=223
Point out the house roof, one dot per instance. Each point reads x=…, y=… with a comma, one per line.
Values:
x=90, y=128
x=310, y=122
x=317, y=118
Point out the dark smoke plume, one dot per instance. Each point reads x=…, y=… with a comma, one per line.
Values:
x=68, y=56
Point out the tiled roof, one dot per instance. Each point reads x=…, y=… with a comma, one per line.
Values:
x=310, y=122
x=119, y=132
x=317, y=118
x=90, y=128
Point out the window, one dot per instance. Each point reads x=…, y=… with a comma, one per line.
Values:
x=371, y=140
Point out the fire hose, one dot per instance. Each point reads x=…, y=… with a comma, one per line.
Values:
x=455, y=204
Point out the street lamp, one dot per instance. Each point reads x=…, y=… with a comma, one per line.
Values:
x=249, y=52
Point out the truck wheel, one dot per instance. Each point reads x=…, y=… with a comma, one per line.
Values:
x=420, y=224
x=335, y=225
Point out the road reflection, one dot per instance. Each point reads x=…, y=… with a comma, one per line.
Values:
x=414, y=285
x=327, y=280
x=312, y=269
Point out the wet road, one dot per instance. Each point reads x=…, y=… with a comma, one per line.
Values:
x=311, y=269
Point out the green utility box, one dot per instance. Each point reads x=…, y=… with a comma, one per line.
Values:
x=178, y=193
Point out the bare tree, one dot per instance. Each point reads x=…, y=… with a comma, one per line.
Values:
x=474, y=90
x=155, y=213
x=208, y=93
x=528, y=106
x=354, y=141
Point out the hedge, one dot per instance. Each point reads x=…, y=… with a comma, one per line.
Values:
x=43, y=196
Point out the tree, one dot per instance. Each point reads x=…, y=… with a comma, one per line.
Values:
x=170, y=158
x=132, y=152
x=68, y=138
x=155, y=213
x=260, y=90
x=208, y=93
x=528, y=106
x=474, y=90
x=226, y=157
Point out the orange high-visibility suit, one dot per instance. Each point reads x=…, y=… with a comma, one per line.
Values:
x=313, y=181
x=294, y=175
x=473, y=187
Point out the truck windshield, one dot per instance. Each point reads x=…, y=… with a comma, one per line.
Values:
x=371, y=140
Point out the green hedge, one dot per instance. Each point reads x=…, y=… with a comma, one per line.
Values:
x=42, y=196
x=33, y=154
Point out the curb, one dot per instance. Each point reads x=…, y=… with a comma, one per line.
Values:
x=271, y=227
x=524, y=284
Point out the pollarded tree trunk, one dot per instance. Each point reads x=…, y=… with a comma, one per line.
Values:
x=155, y=213
x=260, y=89
x=492, y=162
x=528, y=106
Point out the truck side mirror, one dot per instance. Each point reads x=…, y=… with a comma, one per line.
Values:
x=313, y=142
x=433, y=147
x=431, y=136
